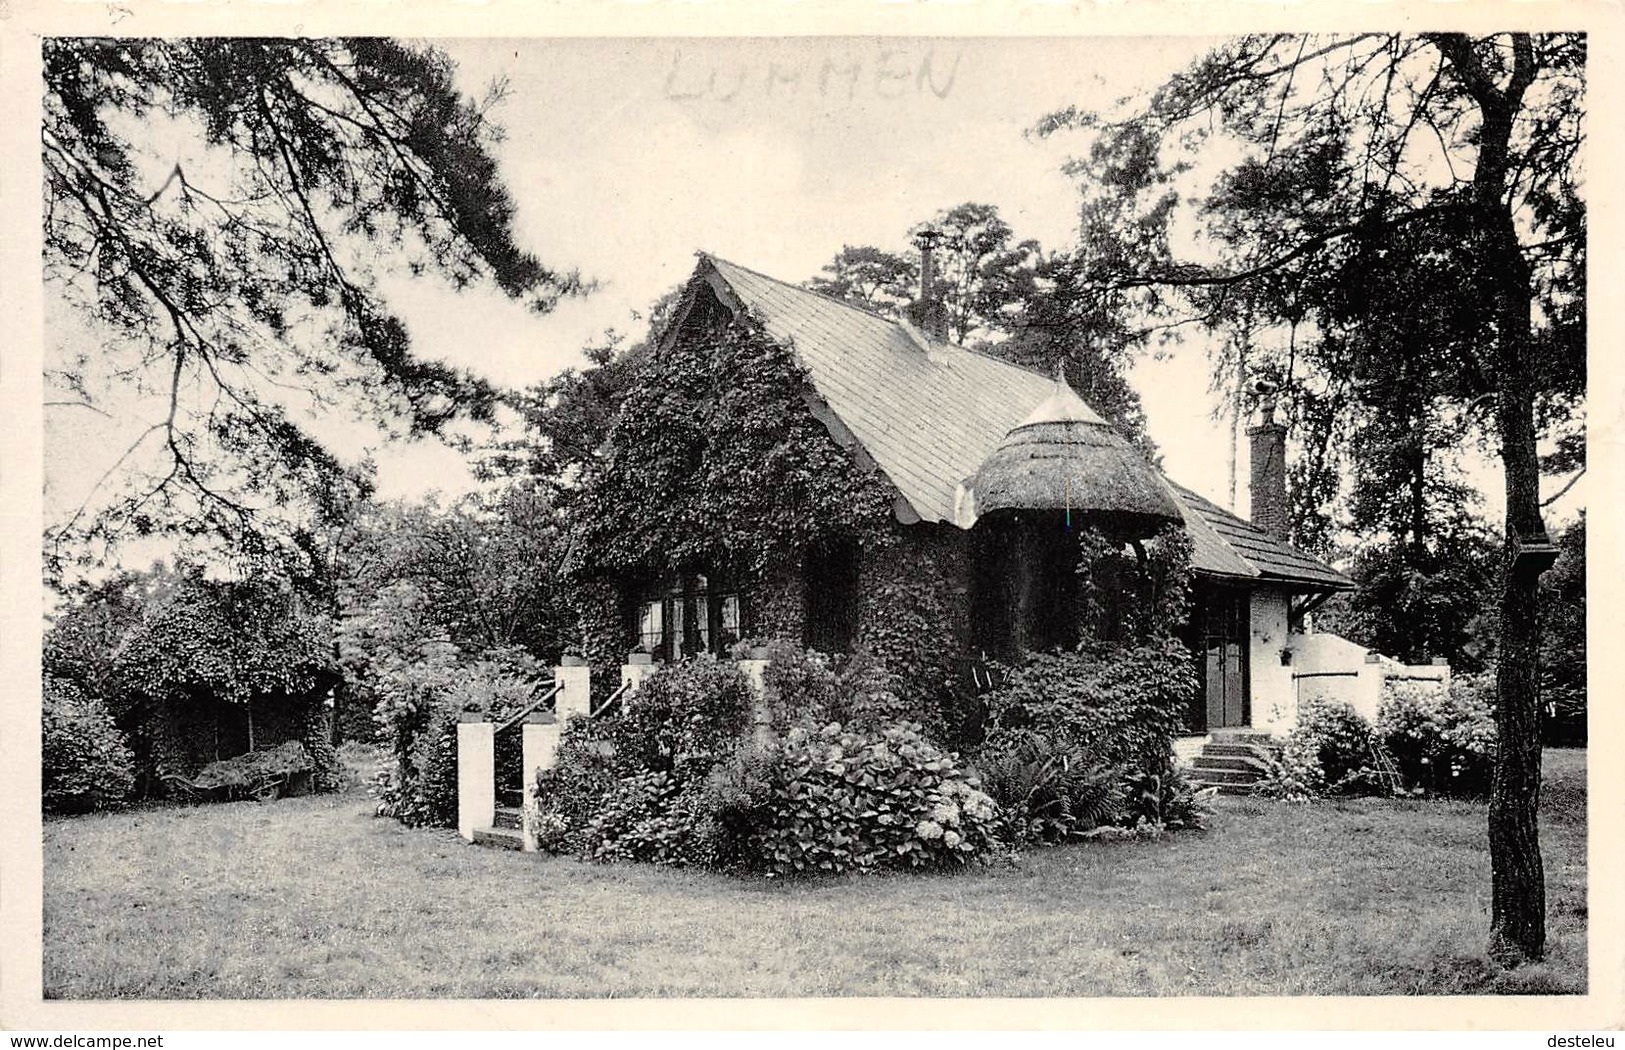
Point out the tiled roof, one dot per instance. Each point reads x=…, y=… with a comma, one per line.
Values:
x=928, y=418
x=930, y=412
x=1225, y=545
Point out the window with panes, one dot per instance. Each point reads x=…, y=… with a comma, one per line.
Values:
x=688, y=614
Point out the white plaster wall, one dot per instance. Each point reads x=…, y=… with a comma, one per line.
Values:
x=1330, y=654
x=1361, y=674
x=1274, y=703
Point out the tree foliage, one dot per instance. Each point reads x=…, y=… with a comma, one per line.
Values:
x=1563, y=641
x=1415, y=611
x=168, y=633
x=1011, y=299
x=567, y=419
x=176, y=657
x=982, y=273
x=869, y=277
x=85, y=762
x=484, y=567
x=237, y=287
x=1413, y=204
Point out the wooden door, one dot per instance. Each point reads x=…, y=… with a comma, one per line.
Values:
x=1224, y=656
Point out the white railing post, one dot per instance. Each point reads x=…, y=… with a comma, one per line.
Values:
x=638, y=666
x=754, y=670
x=574, y=679
x=539, y=737
x=476, y=774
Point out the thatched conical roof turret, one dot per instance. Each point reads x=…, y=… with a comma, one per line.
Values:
x=1063, y=456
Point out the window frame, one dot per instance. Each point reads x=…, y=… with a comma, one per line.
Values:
x=690, y=613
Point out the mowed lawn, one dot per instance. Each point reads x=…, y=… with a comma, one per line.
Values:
x=315, y=898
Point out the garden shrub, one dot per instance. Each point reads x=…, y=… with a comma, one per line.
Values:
x=838, y=798
x=1045, y=791
x=807, y=685
x=649, y=817
x=1060, y=725
x=85, y=763
x=679, y=777
x=684, y=719
x=1158, y=802
x=1118, y=705
x=1443, y=740
x=1332, y=751
x=1293, y=773
x=418, y=710
x=625, y=786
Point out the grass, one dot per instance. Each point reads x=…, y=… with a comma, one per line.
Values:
x=315, y=898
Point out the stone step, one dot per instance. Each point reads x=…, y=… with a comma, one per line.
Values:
x=506, y=817
x=1240, y=736
x=1245, y=763
x=1234, y=750
x=1223, y=776
x=498, y=838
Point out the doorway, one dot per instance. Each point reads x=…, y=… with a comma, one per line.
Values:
x=1222, y=622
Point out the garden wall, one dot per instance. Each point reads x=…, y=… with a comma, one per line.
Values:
x=1331, y=668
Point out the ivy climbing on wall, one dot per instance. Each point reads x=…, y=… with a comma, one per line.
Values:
x=715, y=461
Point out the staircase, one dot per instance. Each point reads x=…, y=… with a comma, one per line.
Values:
x=1232, y=760
x=504, y=830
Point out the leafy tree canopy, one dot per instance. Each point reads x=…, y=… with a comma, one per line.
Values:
x=170, y=632
x=869, y=277
x=482, y=571
x=237, y=286
x=1011, y=299
x=1418, y=194
x=567, y=419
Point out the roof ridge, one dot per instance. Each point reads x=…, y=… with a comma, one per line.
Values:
x=1254, y=531
x=877, y=315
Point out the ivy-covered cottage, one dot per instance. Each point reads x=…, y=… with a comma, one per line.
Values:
x=789, y=465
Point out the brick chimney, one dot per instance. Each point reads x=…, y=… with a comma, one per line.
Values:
x=928, y=310
x=1267, y=441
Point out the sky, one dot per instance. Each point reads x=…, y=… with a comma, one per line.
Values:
x=626, y=156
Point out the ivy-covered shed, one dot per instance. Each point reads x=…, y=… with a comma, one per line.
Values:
x=789, y=465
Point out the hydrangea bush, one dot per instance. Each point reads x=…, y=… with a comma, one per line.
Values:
x=1443, y=740
x=840, y=798
x=681, y=778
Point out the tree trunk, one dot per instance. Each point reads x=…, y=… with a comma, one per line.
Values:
x=1517, y=880
x=1518, y=888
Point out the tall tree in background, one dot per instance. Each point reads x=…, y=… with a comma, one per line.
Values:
x=982, y=272
x=868, y=277
x=567, y=418
x=233, y=282
x=1011, y=299
x=1420, y=157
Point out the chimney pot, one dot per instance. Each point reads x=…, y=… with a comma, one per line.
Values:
x=1267, y=445
x=932, y=317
